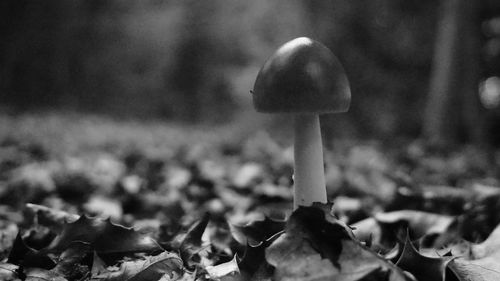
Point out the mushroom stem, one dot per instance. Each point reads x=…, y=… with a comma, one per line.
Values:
x=309, y=176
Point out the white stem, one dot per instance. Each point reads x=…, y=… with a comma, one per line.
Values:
x=309, y=174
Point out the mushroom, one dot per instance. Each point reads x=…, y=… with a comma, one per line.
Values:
x=304, y=78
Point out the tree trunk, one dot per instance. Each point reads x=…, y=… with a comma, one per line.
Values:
x=439, y=124
x=452, y=110
x=471, y=71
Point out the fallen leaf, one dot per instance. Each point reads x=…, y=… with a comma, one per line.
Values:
x=151, y=268
x=8, y=272
x=358, y=261
x=71, y=263
x=23, y=255
x=117, y=239
x=106, y=237
x=39, y=274
x=192, y=244
x=254, y=258
x=224, y=271
x=481, y=262
x=55, y=219
x=98, y=265
x=257, y=231
x=316, y=246
x=85, y=229
x=384, y=228
x=420, y=266
x=295, y=259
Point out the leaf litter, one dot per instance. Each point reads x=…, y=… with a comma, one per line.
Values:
x=211, y=209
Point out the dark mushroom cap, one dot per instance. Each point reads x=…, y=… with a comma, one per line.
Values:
x=302, y=76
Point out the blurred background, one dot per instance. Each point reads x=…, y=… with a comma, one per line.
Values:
x=417, y=68
x=140, y=111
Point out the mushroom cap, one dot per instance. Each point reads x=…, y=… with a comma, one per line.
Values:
x=302, y=76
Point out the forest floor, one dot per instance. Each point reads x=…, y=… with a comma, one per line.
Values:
x=90, y=198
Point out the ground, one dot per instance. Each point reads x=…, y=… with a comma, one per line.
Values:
x=92, y=198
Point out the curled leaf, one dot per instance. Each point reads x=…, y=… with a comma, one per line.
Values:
x=257, y=231
x=23, y=255
x=420, y=266
x=481, y=262
x=225, y=270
